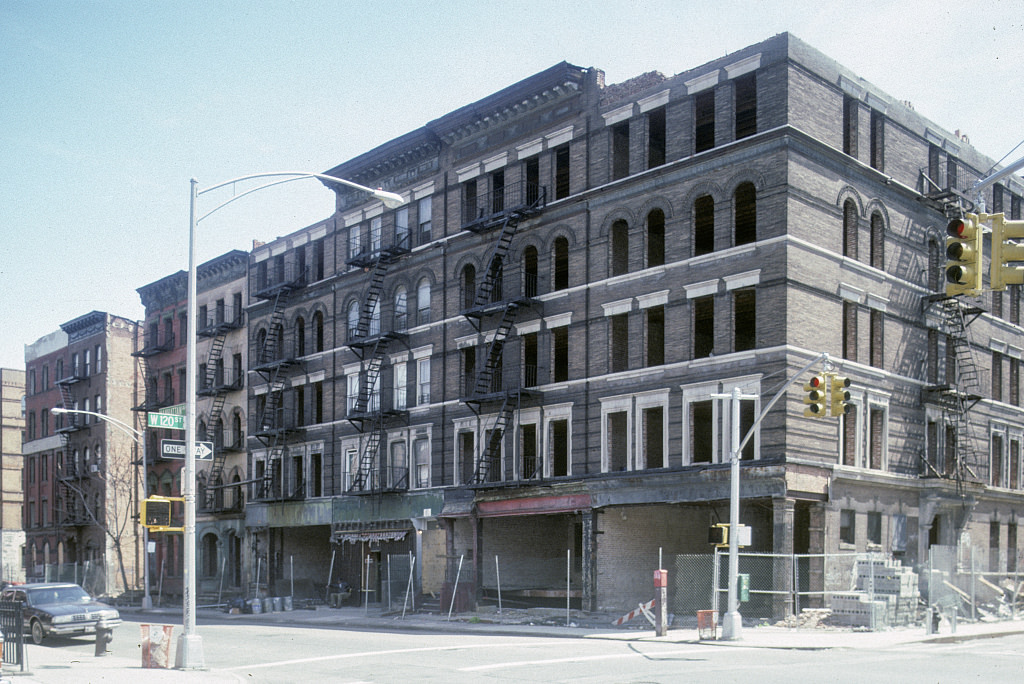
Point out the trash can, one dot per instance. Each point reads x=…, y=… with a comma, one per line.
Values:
x=156, y=645
x=276, y=603
x=286, y=603
x=707, y=624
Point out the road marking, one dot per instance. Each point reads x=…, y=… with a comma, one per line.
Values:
x=370, y=654
x=582, y=659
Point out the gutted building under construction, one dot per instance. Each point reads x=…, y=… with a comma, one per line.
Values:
x=522, y=368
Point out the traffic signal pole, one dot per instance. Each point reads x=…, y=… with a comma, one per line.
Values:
x=732, y=623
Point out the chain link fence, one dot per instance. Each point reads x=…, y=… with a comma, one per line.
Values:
x=954, y=585
x=90, y=575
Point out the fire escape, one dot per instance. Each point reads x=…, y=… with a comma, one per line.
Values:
x=215, y=384
x=962, y=389
x=71, y=474
x=370, y=343
x=272, y=357
x=498, y=212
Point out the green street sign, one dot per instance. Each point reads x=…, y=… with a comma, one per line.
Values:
x=168, y=421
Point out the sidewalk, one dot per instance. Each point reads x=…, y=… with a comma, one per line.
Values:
x=55, y=665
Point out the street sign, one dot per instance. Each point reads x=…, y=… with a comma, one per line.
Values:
x=175, y=448
x=169, y=421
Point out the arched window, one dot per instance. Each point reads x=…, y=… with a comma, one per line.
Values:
x=561, y=259
x=318, y=331
x=375, y=317
x=210, y=563
x=703, y=225
x=423, y=302
x=934, y=265
x=619, y=248
x=850, y=229
x=300, y=336
x=352, y=319
x=655, y=238
x=530, y=271
x=468, y=286
x=877, y=241
x=745, y=208
x=401, y=308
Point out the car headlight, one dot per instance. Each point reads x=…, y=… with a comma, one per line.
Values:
x=61, y=619
x=109, y=615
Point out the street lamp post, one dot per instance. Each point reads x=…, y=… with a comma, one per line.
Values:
x=139, y=437
x=190, y=645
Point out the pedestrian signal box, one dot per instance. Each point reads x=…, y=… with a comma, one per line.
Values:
x=156, y=514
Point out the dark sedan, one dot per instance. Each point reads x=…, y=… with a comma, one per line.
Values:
x=60, y=608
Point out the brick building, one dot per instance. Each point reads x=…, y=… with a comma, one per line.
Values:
x=221, y=353
x=523, y=362
x=12, y=495
x=81, y=481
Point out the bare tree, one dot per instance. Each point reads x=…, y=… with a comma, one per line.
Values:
x=114, y=491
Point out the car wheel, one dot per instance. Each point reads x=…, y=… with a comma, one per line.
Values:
x=37, y=632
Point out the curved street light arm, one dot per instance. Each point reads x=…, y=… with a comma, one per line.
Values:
x=128, y=429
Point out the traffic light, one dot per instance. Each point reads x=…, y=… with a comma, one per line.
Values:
x=156, y=512
x=815, y=398
x=963, y=254
x=1005, y=251
x=839, y=400
x=718, y=534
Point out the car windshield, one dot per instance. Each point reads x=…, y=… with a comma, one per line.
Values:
x=42, y=597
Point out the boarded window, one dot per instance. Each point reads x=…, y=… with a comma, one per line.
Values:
x=701, y=431
x=849, y=331
x=618, y=441
x=851, y=107
x=620, y=150
x=744, y=319
x=997, y=376
x=653, y=436
x=561, y=259
x=703, y=225
x=656, y=137
x=559, y=448
x=655, y=238
x=703, y=327
x=996, y=472
x=655, y=335
x=619, y=342
x=877, y=140
x=877, y=437
x=704, y=121
x=849, y=427
x=877, y=339
x=620, y=248
x=850, y=229
x=745, y=208
x=560, y=353
x=847, y=526
x=562, y=172
x=746, y=105
x=528, y=468
x=877, y=241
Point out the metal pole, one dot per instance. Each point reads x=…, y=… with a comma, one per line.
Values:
x=190, y=644
x=147, y=599
x=732, y=626
x=497, y=573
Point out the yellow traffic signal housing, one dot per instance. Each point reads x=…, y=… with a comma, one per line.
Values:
x=964, y=255
x=1006, y=251
x=718, y=534
x=156, y=513
x=815, y=398
x=839, y=395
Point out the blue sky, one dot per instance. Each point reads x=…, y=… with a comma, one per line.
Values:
x=109, y=108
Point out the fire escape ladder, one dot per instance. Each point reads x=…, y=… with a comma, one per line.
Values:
x=492, y=364
x=372, y=377
x=367, y=478
x=488, y=467
x=271, y=484
x=964, y=395
x=491, y=285
x=371, y=300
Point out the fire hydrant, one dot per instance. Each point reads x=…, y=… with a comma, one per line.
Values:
x=104, y=635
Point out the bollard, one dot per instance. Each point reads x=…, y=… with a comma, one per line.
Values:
x=660, y=600
x=104, y=635
x=936, y=618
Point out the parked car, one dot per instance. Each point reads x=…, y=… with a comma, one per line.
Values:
x=60, y=608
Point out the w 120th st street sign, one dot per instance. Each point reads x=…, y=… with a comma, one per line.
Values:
x=175, y=448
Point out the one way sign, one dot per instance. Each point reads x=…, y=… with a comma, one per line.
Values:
x=175, y=448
